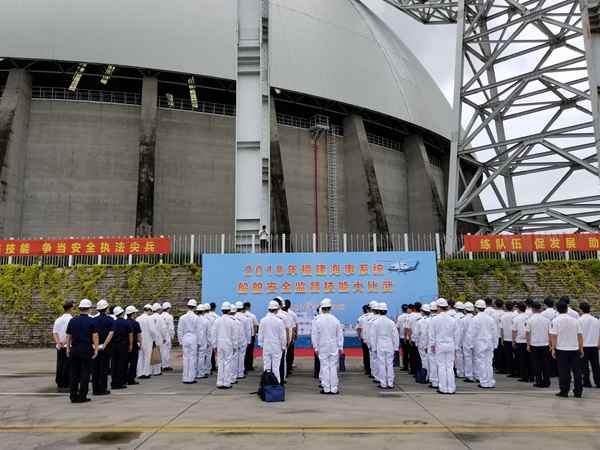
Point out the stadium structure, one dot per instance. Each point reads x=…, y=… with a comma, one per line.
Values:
x=211, y=116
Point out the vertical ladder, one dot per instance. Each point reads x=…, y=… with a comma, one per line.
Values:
x=332, y=215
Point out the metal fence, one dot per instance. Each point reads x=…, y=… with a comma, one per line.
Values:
x=189, y=248
x=86, y=95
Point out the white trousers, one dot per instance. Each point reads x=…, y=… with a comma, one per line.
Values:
x=224, y=367
x=240, y=361
x=143, y=367
x=375, y=365
x=424, y=359
x=329, y=371
x=165, y=353
x=433, y=369
x=445, y=370
x=190, y=354
x=271, y=361
x=485, y=371
x=202, y=369
x=459, y=362
x=468, y=355
x=385, y=362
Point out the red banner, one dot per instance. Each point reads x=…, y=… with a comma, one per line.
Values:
x=88, y=247
x=532, y=242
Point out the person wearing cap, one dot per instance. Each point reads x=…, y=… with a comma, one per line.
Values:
x=165, y=350
x=272, y=339
x=443, y=336
x=459, y=360
x=121, y=346
x=432, y=363
x=369, y=322
x=202, y=331
x=387, y=339
x=566, y=336
x=360, y=325
x=223, y=338
x=249, y=360
x=188, y=338
x=400, y=323
x=421, y=336
x=327, y=338
x=506, y=321
x=522, y=358
x=590, y=327
x=537, y=333
x=245, y=338
x=287, y=307
x=133, y=356
x=316, y=363
x=59, y=334
x=289, y=327
x=100, y=367
x=149, y=334
x=212, y=316
x=415, y=359
x=81, y=348
x=237, y=342
x=483, y=335
x=468, y=346
x=162, y=334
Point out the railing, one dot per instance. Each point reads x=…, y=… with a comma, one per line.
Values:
x=189, y=248
x=183, y=104
x=85, y=95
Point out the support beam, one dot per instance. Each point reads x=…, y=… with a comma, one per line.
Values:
x=144, y=221
x=15, y=106
x=280, y=219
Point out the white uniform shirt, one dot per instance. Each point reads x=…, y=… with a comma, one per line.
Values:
x=186, y=325
x=550, y=314
x=294, y=317
x=148, y=327
x=223, y=333
x=246, y=327
x=538, y=328
x=423, y=332
x=400, y=323
x=203, y=331
x=574, y=314
x=60, y=326
x=566, y=328
x=506, y=322
x=518, y=325
x=170, y=323
x=467, y=325
x=411, y=320
x=591, y=329
x=443, y=333
x=271, y=334
x=386, y=335
x=368, y=329
x=327, y=335
x=481, y=333
x=162, y=331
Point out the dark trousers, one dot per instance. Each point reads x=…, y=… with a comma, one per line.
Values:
x=415, y=360
x=213, y=362
x=540, y=363
x=316, y=367
x=62, y=369
x=80, y=364
x=249, y=358
x=569, y=361
x=499, y=361
x=132, y=361
x=282, y=367
x=366, y=358
x=522, y=357
x=509, y=358
x=100, y=372
x=405, y=353
x=590, y=358
x=290, y=357
x=119, y=365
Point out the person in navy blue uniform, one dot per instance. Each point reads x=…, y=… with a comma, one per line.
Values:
x=132, y=359
x=121, y=345
x=100, y=368
x=82, y=348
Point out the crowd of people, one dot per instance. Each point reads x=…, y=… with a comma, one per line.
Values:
x=438, y=343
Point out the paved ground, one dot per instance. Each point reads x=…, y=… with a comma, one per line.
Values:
x=162, y=413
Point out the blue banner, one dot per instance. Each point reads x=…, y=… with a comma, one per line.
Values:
x=350, y=280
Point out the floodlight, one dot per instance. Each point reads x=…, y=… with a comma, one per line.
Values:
x=77, y=76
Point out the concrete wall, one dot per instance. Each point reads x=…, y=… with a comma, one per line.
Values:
x=194, y=190
x=81, y=169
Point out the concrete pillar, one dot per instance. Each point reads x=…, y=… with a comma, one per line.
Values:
x=15, y=107
x=364, y=205
x=424, y=196
x=280, y=219
x=144, y=221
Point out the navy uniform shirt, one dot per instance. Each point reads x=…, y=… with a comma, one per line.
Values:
x=81, y=329
x=122, y=329
x=136, y=330
x=105, y=324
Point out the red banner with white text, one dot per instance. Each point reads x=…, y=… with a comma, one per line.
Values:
x=532, y=243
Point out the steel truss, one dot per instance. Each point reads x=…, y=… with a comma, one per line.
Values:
x=526, y=116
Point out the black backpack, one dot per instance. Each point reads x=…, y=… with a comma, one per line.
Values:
x=269, y=389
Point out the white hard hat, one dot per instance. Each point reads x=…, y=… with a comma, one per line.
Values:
x=480, y=304
x=205, y=306
x=326, y=303
x=373, y=304
x=118, y=311
x=166, y=305
x=156, y=306
x=226, y=306
x=233, y=308
x=425, y=308
x=433, y=306
x=383, y=306
x=273, y=305
x=192, y=302
x=200, y=307
x=469, y=307
x=130, y=310
x=442, y=302
x=459, y=305
x=147, y=306
x=239, y=305
x=102, y=305
x=85, y=303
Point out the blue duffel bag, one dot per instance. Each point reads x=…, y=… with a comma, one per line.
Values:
x=269, y=389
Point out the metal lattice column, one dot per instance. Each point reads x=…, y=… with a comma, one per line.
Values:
x=332, y=212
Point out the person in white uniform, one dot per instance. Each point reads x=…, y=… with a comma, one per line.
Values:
x=212, y=316
x=468, y=346
x=387, y=341
x=187, y=336
x=590, y=327
x=566, y=335
x=246, y=338
x=432, y=369
x=422, y=331
x=272, y=339
x=520, y=343
x=537, y=333
x=149, y=337
x=202, y=331
x=328, y=342
x=459, y=359
x=369, y=320
x=506, y=321
x=443, y=335
x=483, y=334
x=161, y=336
x=222, y=338
x=59, y=334
x=170, y=324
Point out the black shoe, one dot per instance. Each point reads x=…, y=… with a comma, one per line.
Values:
x=323, y=392
x=562, y=394
x=513, y=376
x=157, y=375
x=523, y=380
x=144, y=377
x=334, y=393
x=483, y=387
x=132, y=383
x=81, y=400
x=578, y=395
x=102, y=393
x=587, y=385
x=381, y=387
x=189, y=382
x=468, y=380
x=118, y=387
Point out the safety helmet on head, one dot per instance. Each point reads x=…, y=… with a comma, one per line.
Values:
x=273, y=305
x=102, y=305
x=226, y=306
x=205, y=307
x=469, y=307
x=425, y=308
x=459, y=305
x=373, y=304
x=383, y=306
x=192, y=302
x=326, y=303
x=118, y=311
x=433, y=306
x=156, y=306
x=480, y=304
x=233, y=308
x=239, y=305
x=130, y=310
x=85, y=304
x=166, y=305
x=442, y=302
x=147, y=306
